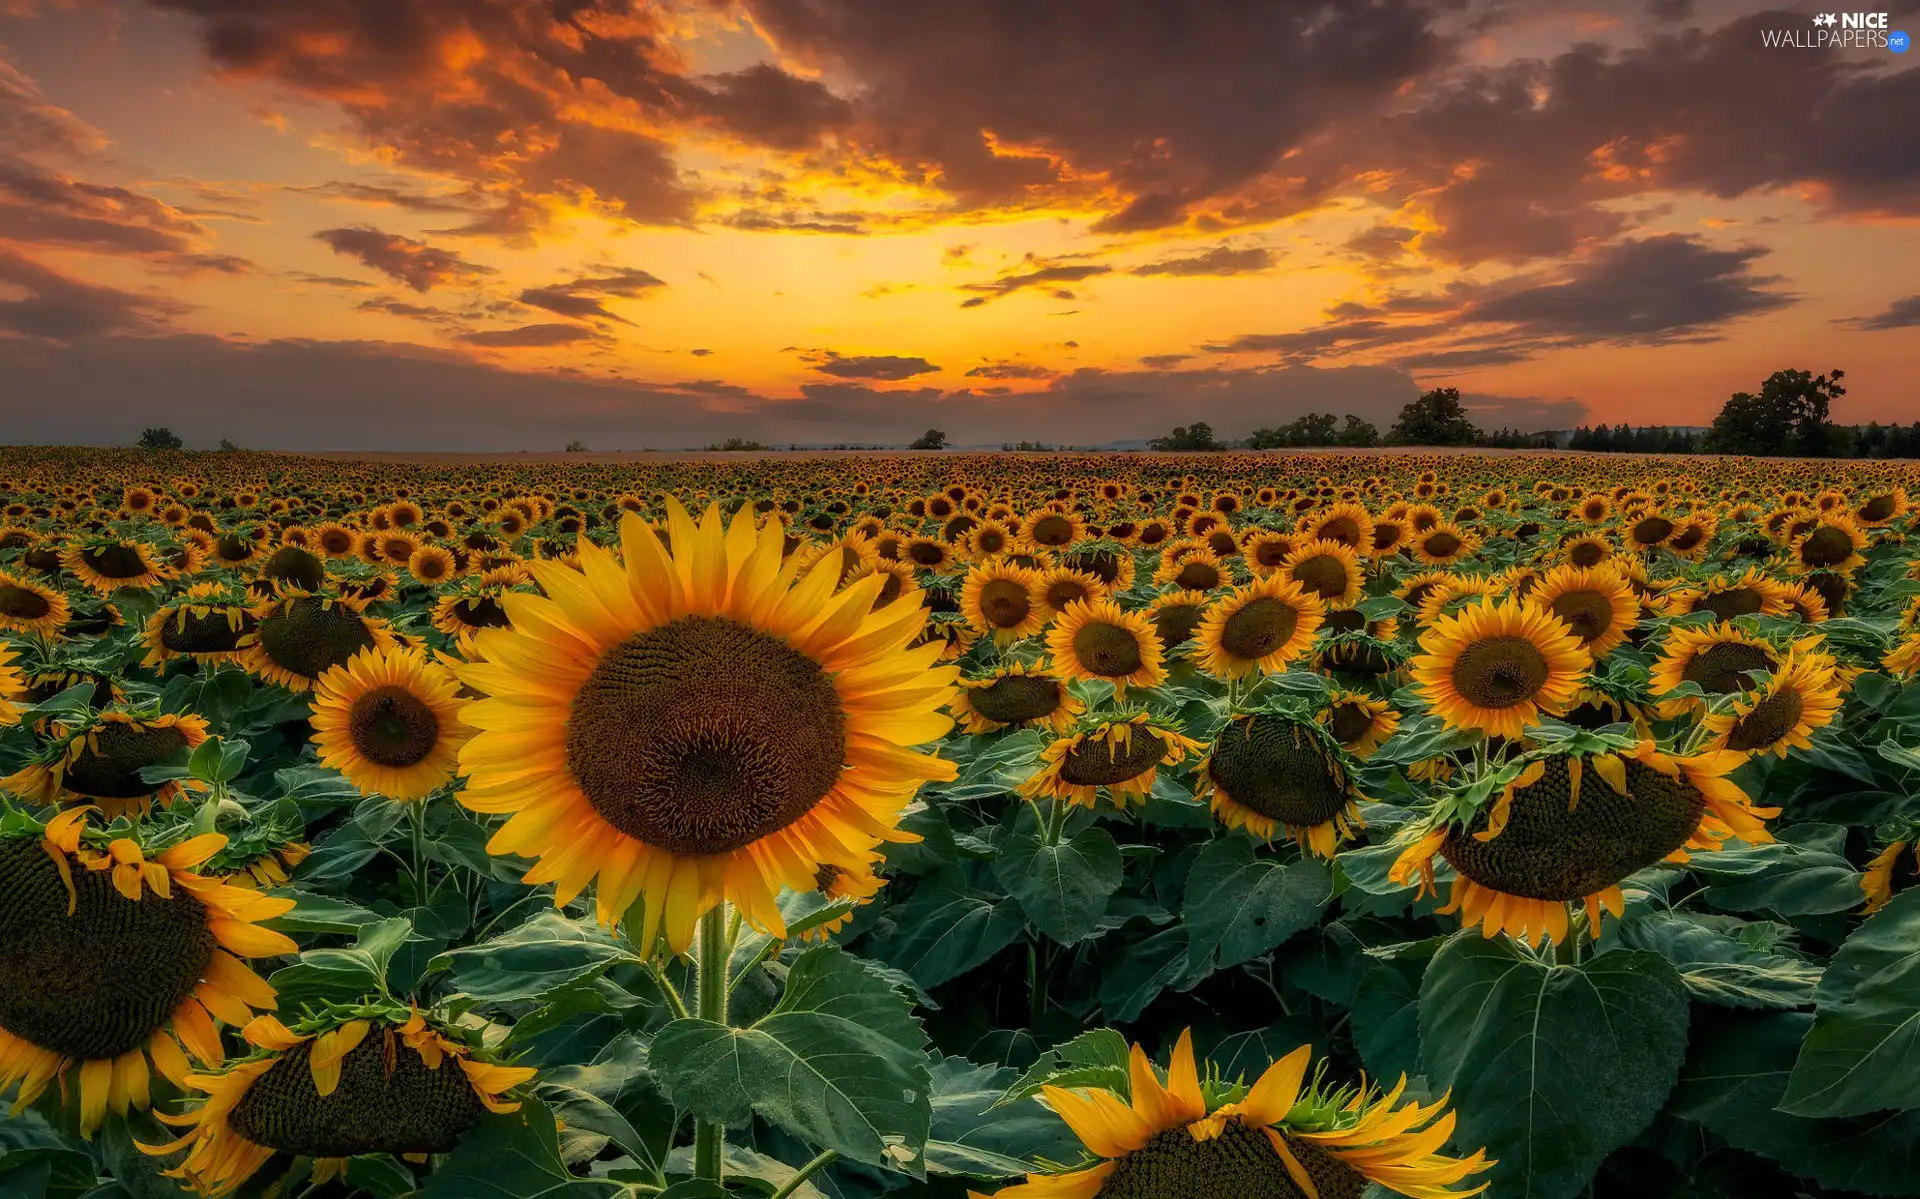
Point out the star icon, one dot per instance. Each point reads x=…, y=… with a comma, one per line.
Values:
x=1825, y=18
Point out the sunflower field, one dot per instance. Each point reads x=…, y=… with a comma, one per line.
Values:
x=1045, y=827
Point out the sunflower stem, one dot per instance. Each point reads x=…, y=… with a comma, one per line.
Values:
x=417, y=817
x=1056, y=820
x=821, y=1161
x=710, y=1137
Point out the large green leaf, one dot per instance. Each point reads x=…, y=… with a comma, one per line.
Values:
x=1142, y=971
x=1861, y=1054
x=344, y=974
x=1551, y=1067
x=532, y=959
x=1386, y=1019
x=514, y=1156
x=945, y=931
x=971, y=1140
x=1063, y=888
x=1735, y=1077
x=840, y=1062
x=1718, y=968
x=1239, y=905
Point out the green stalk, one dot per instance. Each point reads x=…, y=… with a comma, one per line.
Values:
x=417, y=816
x=1056, y=820
x=710, y=997
x=822, y=1160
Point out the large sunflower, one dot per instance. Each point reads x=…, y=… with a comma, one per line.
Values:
x=1750, y=594
x=1285, y=1137
x=1101, y=640
x=1258, y=627
x=111, y=961
x=30, y=607
x=1017, y=695
x=1717, y=658
x=1570, y=827
x=1595, y=602
x=1833, y=543
x=1267, y=773
x=100, y=762
x=1361, y=723
x=388, y=719
x=1003, y=599
x=1119, y=751
x=698, y=726
x=1497, y=666
x=1175, y=616
x=1801, y=696
x=1328, y=569
x=333, y=1090
x=108, y=565
x=302, y=636
x=208, y=622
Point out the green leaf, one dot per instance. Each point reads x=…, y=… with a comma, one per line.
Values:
x=531, y=959
x=322, y=914
x=1551, y=1067
x=1386, y=1019
x=968, y=1138
x=513, y=1157
x=1859, y=1056
x=943, y=932
x=1142, y=972
x=1097, y=1058
x=344, y=975
x=1720, y=969
x=1238, y=906
x=840, y=1062
x=1733, y=1083
x=1063, y=888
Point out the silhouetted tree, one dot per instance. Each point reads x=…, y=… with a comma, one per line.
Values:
x=160, y=439
x=1436, y=418
x=932, y=439
x=1790, y=416
x=1187, y=439
x=1359, y=432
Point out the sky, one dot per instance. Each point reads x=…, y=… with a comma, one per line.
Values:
x=510, y=224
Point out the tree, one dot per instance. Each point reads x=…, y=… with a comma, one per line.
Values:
x=1187, y=439
x=932, y=439
x=160, y=439
x=228, y=445
x=1359, y=432
x=576, y=446
x=1790, y=416
x=1436, y=418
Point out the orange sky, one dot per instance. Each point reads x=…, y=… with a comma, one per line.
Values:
x=847, y=219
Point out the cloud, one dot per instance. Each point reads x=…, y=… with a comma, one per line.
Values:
x=29, y=125
x=529, y=337
x=327, y=280
x=1161, y=362
x=1043, y=276
x=60, y=308
x=40, y=206
x=1011, y=370
x=389, y=197
x=581, y=297
x=1903, y=313
x=1221, y=260
x=887, y=367
x=391, y=307
x=414, y=263
x=766, y=105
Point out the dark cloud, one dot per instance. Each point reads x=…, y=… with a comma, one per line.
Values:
x=851, y=224
x=1383, y=242
x=1221, y=260
x=582, y=296
x=529, y=337
x=60, y=308
x=1461, y=359
x=1161, y=362
x=1011, y=370
x=764, y=104
x=1670, y=11
x=414, y=263
x=29, y=125
x=1036, y=276
x=1903, y=313
x=392, y=307
x=327, y=280
x=389, y=197
x=886, y=367
x=45, y=207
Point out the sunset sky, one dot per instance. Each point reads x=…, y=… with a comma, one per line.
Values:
x=501, y=224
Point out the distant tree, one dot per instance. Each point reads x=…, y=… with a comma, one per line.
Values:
x=160, y=439
x=1436, y=418
x=576, y=446
x=228, y=445
x=932, y=439
x=1790, y=416
x=1359, y=432
x=1197, y=437
x=737, y=443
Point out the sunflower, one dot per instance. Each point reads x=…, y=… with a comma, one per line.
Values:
x=207, y=622
x=1355, y=645
x=950, y=632
x=1647, y=529
x=698, y=726
x=1119, y=751
x=899, y=580
x=1881, y=508
x=1903, y=660
x=1780, y=714
x=1266, y=549
x=1833, y=543
x=1443, y=544
x=1884, y=878
x=1804, y=602
x=336, y=1089
x=1175, y=616
x=432, y=564
x=1595, y=602
x=1285, y=1137
x=1003, y=599
x=1497, y=666
x=388, y=719
x=1327, y=569
x=1100, y=640
x=1750, y=594
x=1052, y=528
x=1349, y=524
x=1193, y=568
x=30, y=607
x=334, y=540
x=100, y=762
x=1360, y=723
x=1106, y=560
x=1266, y=773
x=834, y=885
x=1570, y=827
x=1390, y=534
x=295, y=566
x=108, y=566
x=13, y=686
x=1718, y=658
x=302, y=636
x=1061, y=586
x=928, y=553
x=1017, y=695
x=1258, y=627
x=990, y=539
x=111, y=961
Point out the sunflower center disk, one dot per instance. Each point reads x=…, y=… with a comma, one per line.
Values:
x=1739, y=601
x=1443, y=545
x=22, y=604
x=1349, y=722
x=115, y=562
x=98, y=983
x=208, y=634
x=1260, y=627
x=1547, y=852
x=1107, y=650
x=1175, y=623
x=1052, y=530
x=704, y=735
x=1016, y=699
x=312, y=637
x=1722, y=669
x=1589, y=613
x=391, y=726
x=1653, y=530
x=405, y=1109
x=1239, y=1162
x=1500, y=672
x=1827, y=546
x=1005, y=603
x=1880, y=507
x=1771, y=719
x=1102, y=763
x=1197, y=576
x=1322, y=574
x=1273, y=767
x=113, y=772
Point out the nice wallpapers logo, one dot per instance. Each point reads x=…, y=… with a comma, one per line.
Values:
x=1840, y=31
